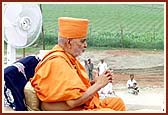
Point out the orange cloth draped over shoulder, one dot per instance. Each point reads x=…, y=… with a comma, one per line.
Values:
x=60, y=77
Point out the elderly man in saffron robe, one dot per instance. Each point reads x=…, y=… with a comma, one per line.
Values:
x=61, y=82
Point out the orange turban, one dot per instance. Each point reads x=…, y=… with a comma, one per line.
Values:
x=72, y=27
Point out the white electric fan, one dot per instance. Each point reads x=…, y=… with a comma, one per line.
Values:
x=22, y=26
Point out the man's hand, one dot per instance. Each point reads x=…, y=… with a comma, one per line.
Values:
x=104, y=79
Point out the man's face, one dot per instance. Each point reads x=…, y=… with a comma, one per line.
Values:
x=78, y=46
x=132, y=77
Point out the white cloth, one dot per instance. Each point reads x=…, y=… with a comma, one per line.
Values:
x=102, y=67
x=131, y=83
x=107, y=90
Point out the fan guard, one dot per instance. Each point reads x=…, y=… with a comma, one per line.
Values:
x=22, y=25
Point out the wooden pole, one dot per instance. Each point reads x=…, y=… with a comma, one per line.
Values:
x=24, y=52
x=42, y=34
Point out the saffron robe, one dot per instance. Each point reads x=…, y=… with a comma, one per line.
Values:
x=60, y=77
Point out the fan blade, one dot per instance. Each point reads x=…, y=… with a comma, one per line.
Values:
x=23, y=24
x=12, y=16
x=16, y=39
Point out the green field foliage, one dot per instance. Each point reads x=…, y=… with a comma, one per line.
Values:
x=111, y=25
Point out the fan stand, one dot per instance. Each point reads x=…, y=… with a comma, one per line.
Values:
x=11, y=54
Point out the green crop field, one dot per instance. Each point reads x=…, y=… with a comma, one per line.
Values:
x=111, y=25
